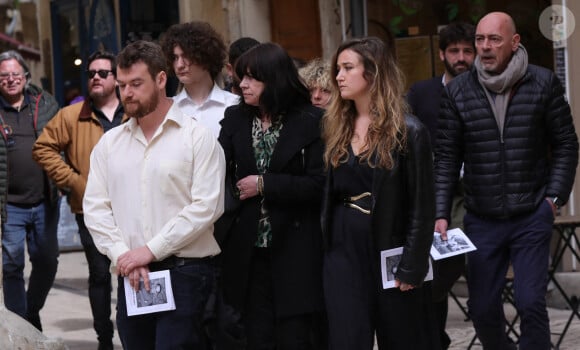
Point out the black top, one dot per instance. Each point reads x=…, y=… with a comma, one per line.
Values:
x=105, y=122
x=25, y=178
x=351, y=179
x=424, y=98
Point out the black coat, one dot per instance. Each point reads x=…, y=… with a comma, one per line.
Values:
x=403, y=207
x=424, y=98
x=292, y=192
x=511, y=174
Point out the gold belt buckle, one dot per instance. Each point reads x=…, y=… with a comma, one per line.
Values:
x=352, y=199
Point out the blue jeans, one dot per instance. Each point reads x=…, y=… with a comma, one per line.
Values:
x=37, y=226
x=100, y=286
x=181, y=328
x=524, y=242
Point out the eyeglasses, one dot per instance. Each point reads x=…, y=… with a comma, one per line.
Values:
x=14, y=75
x=103, y=73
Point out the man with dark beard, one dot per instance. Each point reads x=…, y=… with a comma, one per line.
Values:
x=457, y=52
x=75, y=130
x=154, y=191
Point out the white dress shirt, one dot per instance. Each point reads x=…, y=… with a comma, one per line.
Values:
x=211, y=111
x=165, y=193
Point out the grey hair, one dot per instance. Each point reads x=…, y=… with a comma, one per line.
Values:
x=11, y=54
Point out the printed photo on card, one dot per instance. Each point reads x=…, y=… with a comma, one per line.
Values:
x=456, y=243
x=158, y=298
x=390, y=262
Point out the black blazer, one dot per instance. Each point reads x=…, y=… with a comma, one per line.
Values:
x=424, y=98
x=293, y=188
x=403, y=206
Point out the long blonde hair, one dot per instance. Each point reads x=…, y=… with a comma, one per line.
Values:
x=387, y=132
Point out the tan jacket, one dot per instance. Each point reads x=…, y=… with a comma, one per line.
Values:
x=75, y=130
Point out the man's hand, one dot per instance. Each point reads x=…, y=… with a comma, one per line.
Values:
x=136, y=275
x=133, y=259
x=441, y=228
x=553, y=206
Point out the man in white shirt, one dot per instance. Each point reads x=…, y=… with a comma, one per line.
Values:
x=197, y=54
x=152, y=205
x=74, y=131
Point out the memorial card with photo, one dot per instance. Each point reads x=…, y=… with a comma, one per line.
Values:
x=456, y=243
x=158, y=298
x=389, y=263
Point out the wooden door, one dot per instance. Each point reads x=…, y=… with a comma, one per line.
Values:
x=296, y=27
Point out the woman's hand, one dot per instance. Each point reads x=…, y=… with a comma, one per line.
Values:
x=248, y=186
x=403, y=286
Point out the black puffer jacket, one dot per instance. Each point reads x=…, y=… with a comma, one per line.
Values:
x=510, y=174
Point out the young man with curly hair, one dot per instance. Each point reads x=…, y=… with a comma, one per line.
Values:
x=197, y=54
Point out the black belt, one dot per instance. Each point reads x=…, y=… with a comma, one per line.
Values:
x=176, y=261
x=361, y=202
x=26, y=206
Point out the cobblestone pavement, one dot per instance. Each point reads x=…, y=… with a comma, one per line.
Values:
x=67, y=314
x=461, y=331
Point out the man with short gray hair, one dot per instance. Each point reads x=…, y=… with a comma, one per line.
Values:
x=29, y=203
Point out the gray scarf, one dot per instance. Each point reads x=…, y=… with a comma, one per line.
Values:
x=502, y=83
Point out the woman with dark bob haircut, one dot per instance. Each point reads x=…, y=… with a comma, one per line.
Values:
x=271, y=254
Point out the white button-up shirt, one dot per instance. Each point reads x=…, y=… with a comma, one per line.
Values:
x=165, y=194
x=211, y=111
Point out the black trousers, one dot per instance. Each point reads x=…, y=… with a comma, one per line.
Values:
x=359, y=309
x=264, y=330
x=400, y=320
x=445, y=273
x=523, y=241
x=100, y=285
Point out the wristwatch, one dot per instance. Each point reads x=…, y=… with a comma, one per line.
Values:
x=557, y=202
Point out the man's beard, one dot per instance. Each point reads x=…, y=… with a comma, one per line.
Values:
x=97, y=95
x=452, y=70
x=135, y=109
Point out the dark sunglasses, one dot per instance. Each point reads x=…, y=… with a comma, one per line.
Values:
x=103, y=73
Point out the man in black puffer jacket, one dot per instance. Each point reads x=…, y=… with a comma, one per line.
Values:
x=510, y=125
